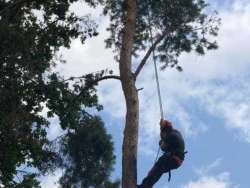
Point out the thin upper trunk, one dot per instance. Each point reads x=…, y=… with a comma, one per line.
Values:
x=129, y=159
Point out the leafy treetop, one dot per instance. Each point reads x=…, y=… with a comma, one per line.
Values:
x=172, y=26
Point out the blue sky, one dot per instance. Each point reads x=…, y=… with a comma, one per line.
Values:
x=209, y=102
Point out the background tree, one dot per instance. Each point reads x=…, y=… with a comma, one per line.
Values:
x=88, y=156
x=31, y=33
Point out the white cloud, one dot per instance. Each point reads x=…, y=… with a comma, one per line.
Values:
x=205, y=170
x=51, y=180
x=219, y=181
x=54, y=129
x=204, y=180
x=229, y=102
x=232, y=57
x=93, y=55
x=111, y=97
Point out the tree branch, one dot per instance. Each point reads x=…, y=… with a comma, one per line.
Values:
x=22, y=171
x=150, y=50
x=90, y=84
x=93, y=82
x=106, y=78
x=96, y=80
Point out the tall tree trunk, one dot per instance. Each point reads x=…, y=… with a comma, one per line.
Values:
x=130, y=141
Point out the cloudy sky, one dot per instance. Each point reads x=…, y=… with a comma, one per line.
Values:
x=209, y=102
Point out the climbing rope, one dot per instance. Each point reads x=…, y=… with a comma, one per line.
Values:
x=157, y=80
x=156, y=77
x=158, y=88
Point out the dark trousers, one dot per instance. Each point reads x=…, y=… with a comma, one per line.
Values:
x=164, y=164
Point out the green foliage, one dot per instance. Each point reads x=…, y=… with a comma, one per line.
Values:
x=88, y=156
x=31, y=33
x=183, y=24
x=68, y=102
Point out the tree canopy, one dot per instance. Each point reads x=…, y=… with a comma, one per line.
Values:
x=87, y=156
x=31, y=33
x=172, y=26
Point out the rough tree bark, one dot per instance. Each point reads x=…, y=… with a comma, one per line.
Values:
x=130, y=141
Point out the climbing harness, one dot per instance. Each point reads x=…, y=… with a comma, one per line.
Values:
x=177, y=160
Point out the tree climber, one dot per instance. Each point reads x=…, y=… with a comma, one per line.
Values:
x=173, y=146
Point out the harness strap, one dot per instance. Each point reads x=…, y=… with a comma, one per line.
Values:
x=169, y=175
x=179, y=162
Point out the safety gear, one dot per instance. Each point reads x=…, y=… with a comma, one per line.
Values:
x=165, y=163
x=172, y=141
x=173, y=146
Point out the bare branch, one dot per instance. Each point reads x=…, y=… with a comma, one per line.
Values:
x=106, y=78
x=150, y=50
x=23, y=171
x=19, y=179
x=96, y=80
